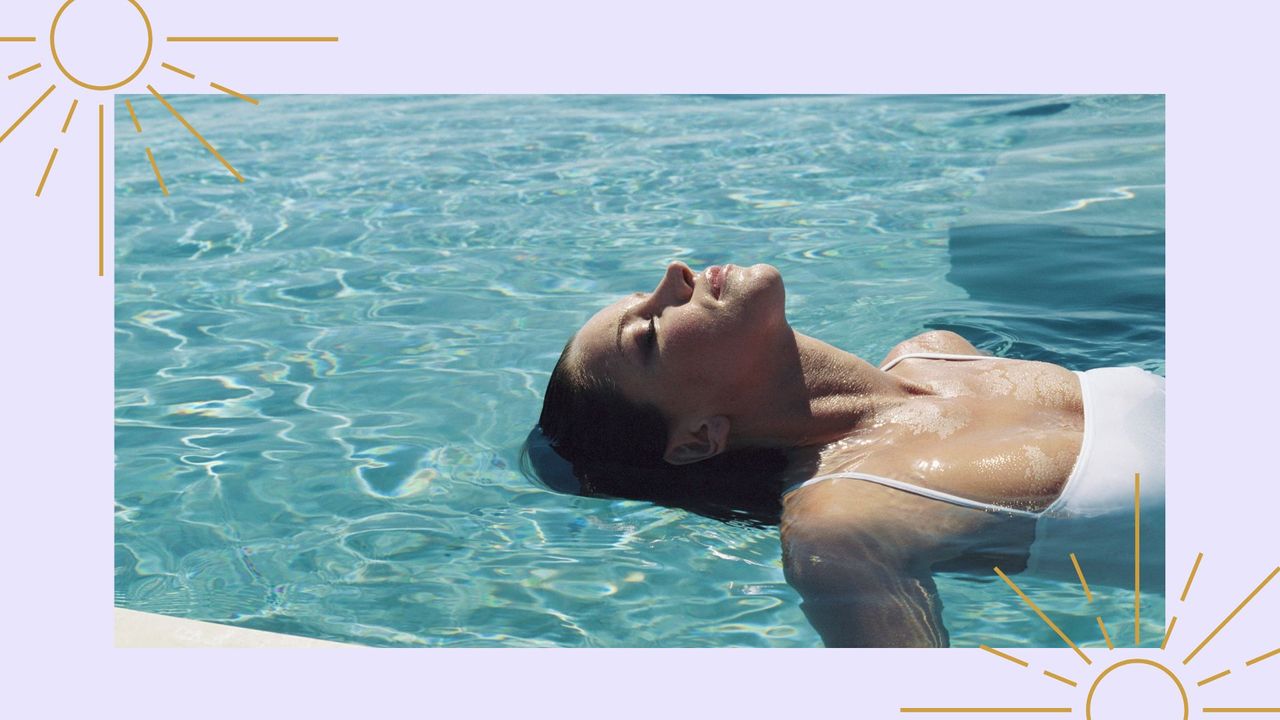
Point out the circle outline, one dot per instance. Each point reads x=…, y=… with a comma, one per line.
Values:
x=53, y=46
x=1088, y=703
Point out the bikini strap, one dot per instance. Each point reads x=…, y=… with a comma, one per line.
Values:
x=941, y=356
x=916, y=490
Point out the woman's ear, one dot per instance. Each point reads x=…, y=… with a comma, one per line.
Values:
x=707, y=438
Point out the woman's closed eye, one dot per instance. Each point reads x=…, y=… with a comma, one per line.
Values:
x=651, y=336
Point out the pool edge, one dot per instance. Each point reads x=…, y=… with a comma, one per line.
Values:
x=135, y=629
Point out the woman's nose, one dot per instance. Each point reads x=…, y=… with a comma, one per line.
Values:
x=676, y=285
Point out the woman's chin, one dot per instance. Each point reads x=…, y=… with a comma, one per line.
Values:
x=771, y=280
x=767, y=270
x=763, y=276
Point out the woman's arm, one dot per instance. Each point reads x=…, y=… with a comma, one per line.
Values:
x=861, y=591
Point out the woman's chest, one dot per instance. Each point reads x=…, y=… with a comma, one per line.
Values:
x=1005, y=435
x=1004, y=386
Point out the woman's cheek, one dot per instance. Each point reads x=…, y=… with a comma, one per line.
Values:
x=682, y=339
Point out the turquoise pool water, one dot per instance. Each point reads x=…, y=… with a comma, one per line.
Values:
x=323, y=375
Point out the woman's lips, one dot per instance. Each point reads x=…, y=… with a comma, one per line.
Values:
x=715, y=276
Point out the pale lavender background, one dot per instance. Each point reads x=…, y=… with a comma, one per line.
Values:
x=1222, y=429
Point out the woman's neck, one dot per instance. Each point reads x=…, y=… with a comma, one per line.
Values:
x=824, y=394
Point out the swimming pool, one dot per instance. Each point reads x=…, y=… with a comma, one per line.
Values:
x=323, y=375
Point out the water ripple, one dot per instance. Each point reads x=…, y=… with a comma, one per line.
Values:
x=322, y=375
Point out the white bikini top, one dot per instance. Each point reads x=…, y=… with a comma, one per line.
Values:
x=916, y=489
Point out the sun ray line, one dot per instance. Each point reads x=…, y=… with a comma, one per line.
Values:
x=1137, y=571
x=1194, y=567
x=26, y=70
x=177, y=70
x=1231, y=616
x=1105, y=635
x=1211, y=678
x=1240, y=710
x=159, y=178
x=30, y=110
x=195, y=132
x=190, y=38
x=44, y=178
x=1261, y=657
x=1043, y=617
x=17, y=39
x=67, y=123
x=137, y=125
x=102, y=165
x=990, y=710
x=233, y=93
x=1168, y=632
x=1080, y=573
x=1010, y=658
x=1061, y=679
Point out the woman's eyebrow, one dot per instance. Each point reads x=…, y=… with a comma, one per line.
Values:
x=622, y=316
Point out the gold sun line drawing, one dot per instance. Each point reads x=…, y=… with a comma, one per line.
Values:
x=70, y=113
x=1211, y=678
x=1105, y=635
x=214, y=85
x=102, y=175
x=986, y=710
x=1025, y=664
x=45, y=177
x=26, y=70
x=233, y=93
x=133, y=116
x=1229, y=618
x=178, y=70
x=54, y=156
x=1137, y=480
x=190, y=128
x=1262, y=657
x=27, y=114
x=1006, y=656
x=1044, y=617
x=272, y=39
x=1187, y=588
x=1059, y=678
x=156, y=168
x=151, y=159
x=1080, y=573
x=1168, y=632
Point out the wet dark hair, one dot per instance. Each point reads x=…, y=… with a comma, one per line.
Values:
x=594, y=441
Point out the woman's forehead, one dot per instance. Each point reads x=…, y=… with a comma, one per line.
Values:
x=599, y=338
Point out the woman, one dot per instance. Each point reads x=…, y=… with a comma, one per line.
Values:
x=700, y=395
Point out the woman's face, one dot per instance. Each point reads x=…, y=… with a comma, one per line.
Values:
x=694, y=344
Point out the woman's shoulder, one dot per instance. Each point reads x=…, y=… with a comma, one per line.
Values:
x=873, y=518
x=937, y=341
x=841, y=508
